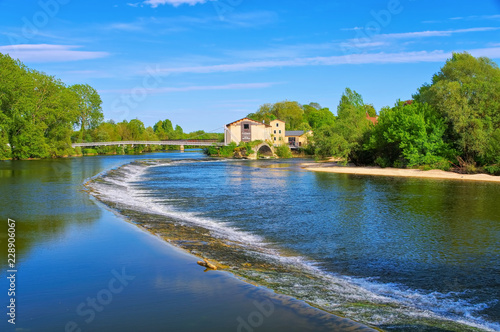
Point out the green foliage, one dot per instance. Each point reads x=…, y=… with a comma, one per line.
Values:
x=89, y=114
x=345, y=138
x=370, y=110
x=136, y=129
x=408, y=136
x=467, y=94
x=316, y=117
x=296, y=116
x=228, y=151
x=165, y=130
x=37, y=113
x=90, y=152
x=283, y=151
x=221, y=151
x=289, y=111
x=492, y=169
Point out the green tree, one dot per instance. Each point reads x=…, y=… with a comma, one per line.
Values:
x=264, y=114
x=123, y=131
x=467, y=93
x=345, y=138
x=106, y=132
x=36, y=113
x=410, y=135
x=289, y=111
x=136, y=129
x=178, y=132
x=370, y=110
x=89, y=107
x=165, y=130
x=317, y=117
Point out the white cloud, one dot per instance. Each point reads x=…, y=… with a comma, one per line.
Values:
x=49, y=53
x=175, y=3
x=353, y=59
x=476, y=17
x=436, y=33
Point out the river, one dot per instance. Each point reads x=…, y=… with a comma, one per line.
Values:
x=399, y=254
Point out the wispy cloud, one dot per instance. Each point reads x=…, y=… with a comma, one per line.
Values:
x=353, y=59
x=387, y=39
x=465, y=18
x=161, y=25
x=49, y=53
x=476, y=17
x=175, y=3
x=235, y=86
x=435, y=33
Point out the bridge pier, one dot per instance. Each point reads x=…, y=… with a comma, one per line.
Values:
x=181, y=148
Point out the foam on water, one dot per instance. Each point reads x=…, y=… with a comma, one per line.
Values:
x=332, y=291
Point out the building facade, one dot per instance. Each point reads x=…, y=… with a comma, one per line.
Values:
x=277, y=132
x=297, y=138
x=247, y=130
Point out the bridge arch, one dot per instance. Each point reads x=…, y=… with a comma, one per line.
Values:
x=265, y=149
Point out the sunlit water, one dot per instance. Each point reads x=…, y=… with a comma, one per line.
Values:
x=428, y=246
x=69, y=248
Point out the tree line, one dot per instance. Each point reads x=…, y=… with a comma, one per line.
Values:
x=453, y=122
x=40, y=117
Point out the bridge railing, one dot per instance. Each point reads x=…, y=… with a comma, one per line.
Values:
x=176, y=142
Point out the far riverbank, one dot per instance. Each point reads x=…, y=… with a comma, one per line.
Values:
x=333, y=167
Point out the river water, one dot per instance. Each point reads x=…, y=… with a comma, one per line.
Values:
x=396, y=253
x=80, y=267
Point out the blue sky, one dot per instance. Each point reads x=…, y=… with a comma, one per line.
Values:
x=205, y=63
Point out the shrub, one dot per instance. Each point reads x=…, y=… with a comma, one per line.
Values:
x=382, y=162
x=119, y=150
x=89, y=152
x=283, y=151
x=492, y=169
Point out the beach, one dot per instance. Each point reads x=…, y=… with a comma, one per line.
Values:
x=333, y=167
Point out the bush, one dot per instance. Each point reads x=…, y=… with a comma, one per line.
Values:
x=119, y=150
x=492, y=169
x=283, y=151
x=89, y=152
x=105, y=149
x=5, y=152
x=382, y=162
x=221, y=151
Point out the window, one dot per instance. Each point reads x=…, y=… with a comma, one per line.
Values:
x=275, y=138
x=280, y=131
x=281, y=138
x=277, y=124
x=246, y=126
x=275, y=132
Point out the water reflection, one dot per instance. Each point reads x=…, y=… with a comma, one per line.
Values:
x=43, y=197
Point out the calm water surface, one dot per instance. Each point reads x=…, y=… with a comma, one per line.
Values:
x=70, y=249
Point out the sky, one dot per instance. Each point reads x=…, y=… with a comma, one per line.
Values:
x=203, y=63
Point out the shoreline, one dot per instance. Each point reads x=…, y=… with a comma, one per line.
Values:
x=333, y=167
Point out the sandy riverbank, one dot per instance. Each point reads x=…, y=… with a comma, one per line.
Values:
x=333, y=167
